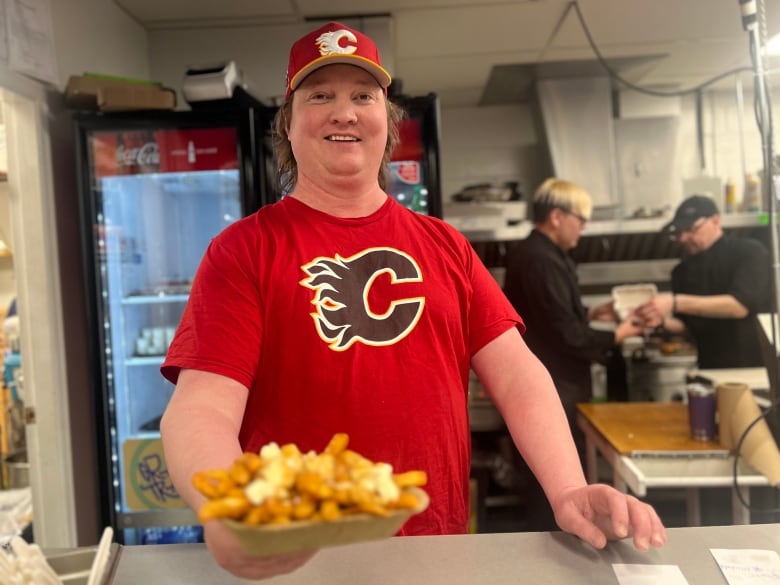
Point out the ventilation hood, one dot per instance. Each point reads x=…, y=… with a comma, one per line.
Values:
x=577, y=121
x=573, y=110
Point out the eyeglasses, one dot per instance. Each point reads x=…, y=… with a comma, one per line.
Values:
x=695, y=227
x=582, y=218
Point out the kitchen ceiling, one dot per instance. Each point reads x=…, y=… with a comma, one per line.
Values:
x=488, y=51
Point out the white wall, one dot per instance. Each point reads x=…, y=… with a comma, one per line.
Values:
x=89, y=35
x=97, y=36
x=260, y=52
x=492, y=144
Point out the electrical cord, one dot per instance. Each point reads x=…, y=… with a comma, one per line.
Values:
x=657, y=93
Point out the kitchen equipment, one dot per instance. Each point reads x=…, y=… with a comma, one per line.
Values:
x=211, y=82
x=483, y=192
x=657, y=376
x=414, y=178
x=155, y=189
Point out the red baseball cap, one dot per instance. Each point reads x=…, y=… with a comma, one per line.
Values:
x=330, y=44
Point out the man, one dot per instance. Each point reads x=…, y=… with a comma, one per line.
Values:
x=717, y=289
x=343, y=311
x=541, y=283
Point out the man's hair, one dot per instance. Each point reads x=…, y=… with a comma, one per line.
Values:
x=559, y=194
x=287, y=166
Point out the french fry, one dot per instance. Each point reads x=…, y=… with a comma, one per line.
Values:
x=230, y=507
x=410, y=479
x=337, y=444
x=406, y=501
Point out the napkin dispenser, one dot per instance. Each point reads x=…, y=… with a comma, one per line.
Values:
x=211, y=82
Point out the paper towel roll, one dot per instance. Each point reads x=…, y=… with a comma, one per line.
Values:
x=737, y=409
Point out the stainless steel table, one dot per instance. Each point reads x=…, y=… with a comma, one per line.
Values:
x=495, y=559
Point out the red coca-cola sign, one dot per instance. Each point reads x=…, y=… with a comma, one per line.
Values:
x=410, y=145
x=164, y=151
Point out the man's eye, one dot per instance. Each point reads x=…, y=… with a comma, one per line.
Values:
x=365, y=97
x=318, y=97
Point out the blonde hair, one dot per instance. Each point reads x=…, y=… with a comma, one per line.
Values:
x=559, y=194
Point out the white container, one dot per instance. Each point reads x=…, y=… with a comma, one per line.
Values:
x=629, y=296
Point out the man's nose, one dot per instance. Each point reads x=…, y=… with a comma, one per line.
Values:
x=343, y=111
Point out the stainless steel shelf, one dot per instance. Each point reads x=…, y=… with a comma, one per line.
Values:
x=605, y=227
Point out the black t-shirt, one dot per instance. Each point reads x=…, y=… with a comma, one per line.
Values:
x=541, y=283
x=735, y=266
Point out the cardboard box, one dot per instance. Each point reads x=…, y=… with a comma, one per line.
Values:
x=108, y=94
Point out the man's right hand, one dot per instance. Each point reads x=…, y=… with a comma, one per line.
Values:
x=229, y=555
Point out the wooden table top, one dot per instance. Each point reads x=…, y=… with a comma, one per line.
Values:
x=632, y=427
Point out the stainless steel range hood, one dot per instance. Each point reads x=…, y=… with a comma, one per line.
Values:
x=577, y=118
x=572, y=103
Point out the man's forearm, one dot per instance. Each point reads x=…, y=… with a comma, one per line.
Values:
x=195, y=442
x=717, y=306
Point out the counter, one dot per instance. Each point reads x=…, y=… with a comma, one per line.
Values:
x=495, y=559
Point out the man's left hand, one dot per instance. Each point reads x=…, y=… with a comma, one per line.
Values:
x=598, y=513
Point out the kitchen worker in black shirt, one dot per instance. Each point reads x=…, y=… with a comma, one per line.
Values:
x=718, y=287
x=541, y=282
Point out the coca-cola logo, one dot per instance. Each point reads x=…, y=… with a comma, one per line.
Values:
x=146, y=155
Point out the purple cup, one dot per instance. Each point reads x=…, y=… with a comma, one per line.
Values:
x=701, y=412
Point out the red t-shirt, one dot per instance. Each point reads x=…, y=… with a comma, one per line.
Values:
x=364, y=326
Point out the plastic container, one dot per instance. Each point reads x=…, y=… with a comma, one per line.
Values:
x=752, y=194
x=731, y=197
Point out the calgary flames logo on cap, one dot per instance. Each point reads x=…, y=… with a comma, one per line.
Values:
x=329, y=43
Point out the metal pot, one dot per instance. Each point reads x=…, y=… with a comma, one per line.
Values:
x=655, y=377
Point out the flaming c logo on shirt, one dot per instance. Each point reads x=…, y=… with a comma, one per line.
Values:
x=342, y=286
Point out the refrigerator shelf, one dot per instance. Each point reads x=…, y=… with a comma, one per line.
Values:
x=143, y=435
x=152, y=360
x=151, y=299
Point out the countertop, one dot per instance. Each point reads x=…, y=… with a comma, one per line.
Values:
x=495, y=559
x=649, y=427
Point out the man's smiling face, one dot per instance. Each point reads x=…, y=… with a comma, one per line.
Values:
x=338, y=128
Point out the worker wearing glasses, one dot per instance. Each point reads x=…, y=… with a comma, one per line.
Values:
x=717, y=288
x=541, y=283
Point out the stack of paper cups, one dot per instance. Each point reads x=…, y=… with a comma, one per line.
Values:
x=737, y=409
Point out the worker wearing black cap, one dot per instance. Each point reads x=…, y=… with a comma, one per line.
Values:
x=717, y=288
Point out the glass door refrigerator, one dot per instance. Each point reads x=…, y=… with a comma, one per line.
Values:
x=155, y=188
x=414, y=178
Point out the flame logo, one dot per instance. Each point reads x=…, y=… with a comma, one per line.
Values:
x=342, y=286
x=329, y=43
